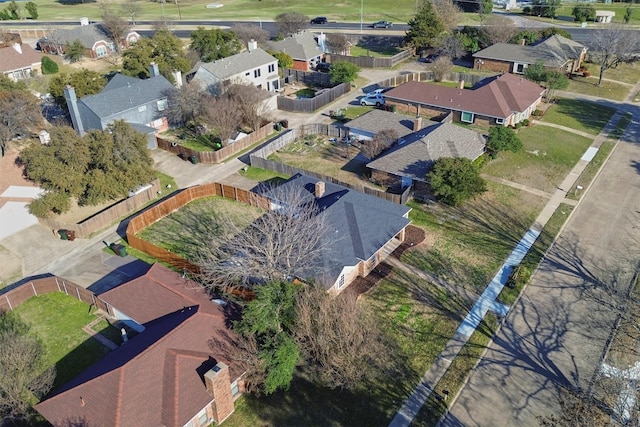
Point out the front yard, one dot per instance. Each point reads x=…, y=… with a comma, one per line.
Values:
x=584, y=116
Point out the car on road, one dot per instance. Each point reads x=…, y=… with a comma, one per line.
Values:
x=372, y=99
x=382, y=24
x=319, y=20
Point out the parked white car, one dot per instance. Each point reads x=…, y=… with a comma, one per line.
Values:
x=372, y=99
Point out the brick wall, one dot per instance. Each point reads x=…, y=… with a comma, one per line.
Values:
x=218, y=383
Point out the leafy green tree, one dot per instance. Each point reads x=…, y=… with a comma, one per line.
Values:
x=529, y=36
x=284, y=59
x=473, y=38
x=7, y=84
x=164, y=48
x=628, y=13
x=584, y=12
x=19, y=115
x=74, y=51
x=343, y=72
x=551, y=31
x=536, y=72
x=546, y=8
x=455, y=180
x=502, y=138
x=32, y=9
x=85, y=82
x=13, y=10
x=214, y=44
x=555, y=80
x=425, y=27
x=49, y=66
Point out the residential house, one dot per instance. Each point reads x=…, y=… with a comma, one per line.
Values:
x=364, y=230
x=20, y=61
x=302, y=47
x=140, y=102
x=253, y=66
x=366, y=126
x=556, y=53
x=94, y=37
x=505, y=100
x=409, y=162
x=176, y=372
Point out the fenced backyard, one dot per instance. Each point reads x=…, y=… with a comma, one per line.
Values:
x=374, y=61
x=426, y=76
x=309, y=105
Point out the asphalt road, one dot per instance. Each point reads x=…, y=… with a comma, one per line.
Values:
x=555, y=335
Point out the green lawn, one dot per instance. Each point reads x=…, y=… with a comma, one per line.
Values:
x=418, y=318
x=262, y=175
x=385, y=51
x=565, y=17
x=590, y=171
x=57, y=320
x=625, y=73
x=466, y=246
x=548, y=156
x=584, y=116
x=589, y=86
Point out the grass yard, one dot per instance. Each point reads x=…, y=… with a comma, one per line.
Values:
x=186, y=230
x=584, y=116
x=425, y=316
x=466, y=246
x=547, y=157
x=590, y=171
x=351, y=113
x=382, y=51
x=625, y=73
x=565, y=17
x=57, y=320
x=589, y=86
x=262, y=175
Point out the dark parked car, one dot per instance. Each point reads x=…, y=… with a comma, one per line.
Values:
x=319, y=20
x=430, y=58
x=323, y=67
x=382, y=24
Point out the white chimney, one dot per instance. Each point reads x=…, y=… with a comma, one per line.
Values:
x=18, y=48
x=84, y=21
x=177, y=76
x=44, y=136
x=153, y=70
x=252, y=45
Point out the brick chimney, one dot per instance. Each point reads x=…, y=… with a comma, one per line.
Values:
x=417, y=123
x=218, y=383
x=153, y=70
x=461, y=84
x=319, y=189
x=523, y=42
x=72, y=104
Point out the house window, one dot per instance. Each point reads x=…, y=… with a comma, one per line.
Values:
x=256, y=73
x=499, y=121
x=202, y=420
x=272, y=68
x=112, y=47
x=247, y=73
x=101, y=51
x=142, y=108
x=519, y=68
x=466, y=117
x=162, y=105
x=341, y=281
x=235, y=389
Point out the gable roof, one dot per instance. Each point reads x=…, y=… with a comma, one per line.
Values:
x=12, y=58
x=361, y=224
x=415, y=158
x=301, y=46
x=495, y=97
x=123, y=93
x=87, y=34
x=377, y=120
x=156, y=378
x=239, y=63
x=553, y=51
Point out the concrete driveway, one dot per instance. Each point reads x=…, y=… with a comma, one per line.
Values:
x=556, y=333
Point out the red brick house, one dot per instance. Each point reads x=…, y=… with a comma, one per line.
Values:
x=175, y=372
x=302, y=47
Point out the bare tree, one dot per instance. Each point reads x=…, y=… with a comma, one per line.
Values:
x=440, y=67
x=185, y=105
x=248, y=32
x=338, y=43
x=380, y=142
x=287, y=241
x=292, y=22
x=131, y=8
x=116, y=27
x=499, y=29
x=223, y=113
x=252, y=102
x=448, y=13
x=163, y=24
x=614, y=46
x=451, y=45
x=339, y=338
x=19, y=114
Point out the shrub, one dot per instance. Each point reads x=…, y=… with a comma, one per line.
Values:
x=519, y=277
x=538, y=113
x=49, y=66
x=503, y=138
x=526, y=10
x=455, y=180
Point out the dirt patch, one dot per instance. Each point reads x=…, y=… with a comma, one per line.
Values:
x=413, y=236
x=103, y=65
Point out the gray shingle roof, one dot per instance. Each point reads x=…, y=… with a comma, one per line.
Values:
x=361, y=224
x=239, y=63
x=415, y=158
x=553, y=51
x=377, y=120
x=301, y=46
x=87, y=34
x=123, y=93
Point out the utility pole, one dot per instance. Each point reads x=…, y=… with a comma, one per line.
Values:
x=361, y=13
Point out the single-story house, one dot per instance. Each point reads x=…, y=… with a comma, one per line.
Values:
x=140, y=102
x=556, y=53
x=504, y=100
x=409, y=162
x=302, y=47
x=20, y=61
x=176, y=372
x=604, y=16
x=366, y=126
x=94, y=37
x=366, y=229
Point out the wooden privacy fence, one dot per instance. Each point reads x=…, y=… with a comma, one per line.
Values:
x=113, y=213
x=425, y=76
x=220, y=155
x=13, y=297
x=309, y=105
x=374, y=61
x=175, y=202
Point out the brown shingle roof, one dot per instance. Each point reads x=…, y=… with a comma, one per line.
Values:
x=499, y=98
x=156, y=377
x=11, y=59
